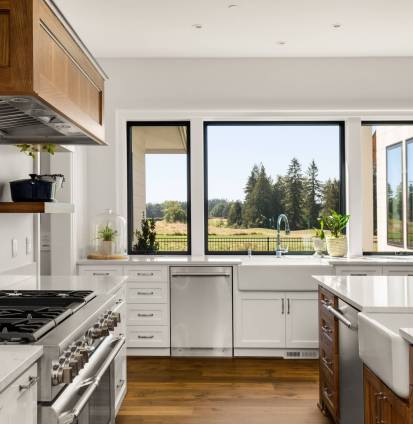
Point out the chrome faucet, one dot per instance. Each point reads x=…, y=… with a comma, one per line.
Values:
x=278, y=250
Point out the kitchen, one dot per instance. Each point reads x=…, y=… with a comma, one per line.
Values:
x=152, y=283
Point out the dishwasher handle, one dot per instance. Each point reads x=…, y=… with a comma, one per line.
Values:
x=339, y=316
x=199, y=274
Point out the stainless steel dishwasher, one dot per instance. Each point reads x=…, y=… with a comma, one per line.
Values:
x=201, y=311
x=350, y=365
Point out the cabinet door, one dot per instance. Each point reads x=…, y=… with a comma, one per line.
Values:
x=260, y=320
x=18, y=403
x=372, y=394
x=302, y=320
x=393, y=410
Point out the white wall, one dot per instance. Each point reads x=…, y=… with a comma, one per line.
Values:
x=251, y=87
x=13, y=166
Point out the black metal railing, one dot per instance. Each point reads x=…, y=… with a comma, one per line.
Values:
x=237, y=244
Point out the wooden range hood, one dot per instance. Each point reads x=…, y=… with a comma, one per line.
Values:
x=51, y=87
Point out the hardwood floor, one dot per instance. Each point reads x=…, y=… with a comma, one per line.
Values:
x=221, y=391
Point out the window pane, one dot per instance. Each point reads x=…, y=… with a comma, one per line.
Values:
x=158, y=188
x=258, y=171
x=409, y=161
x=394, y=195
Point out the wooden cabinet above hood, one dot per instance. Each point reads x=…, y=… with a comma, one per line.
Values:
x=51, y=88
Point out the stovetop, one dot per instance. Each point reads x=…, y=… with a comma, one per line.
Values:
x=26, y=315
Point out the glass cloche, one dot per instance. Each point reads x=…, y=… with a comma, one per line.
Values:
x=108, y=238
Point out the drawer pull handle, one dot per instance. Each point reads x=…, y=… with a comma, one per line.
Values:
x=326, y=329
x=146, y=337
x=327, y=362
x=145, y=315
x=32, y=382
x=101, y=273
x=146, y=293
x=145, y=274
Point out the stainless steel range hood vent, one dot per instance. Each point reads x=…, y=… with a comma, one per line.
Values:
x=27, y=120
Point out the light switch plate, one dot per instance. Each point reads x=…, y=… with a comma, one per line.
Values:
x=14, y=248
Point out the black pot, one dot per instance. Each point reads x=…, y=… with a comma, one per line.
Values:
x=33, y=190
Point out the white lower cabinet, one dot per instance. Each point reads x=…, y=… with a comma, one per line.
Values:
x=260, y=320
x=301, y=324
x=18, y=402
x=276, y=320
x=120, y=378
x=406, y=271
x=358, y=270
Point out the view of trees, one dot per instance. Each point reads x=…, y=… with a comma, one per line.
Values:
x=300, y=194
x=170, y=211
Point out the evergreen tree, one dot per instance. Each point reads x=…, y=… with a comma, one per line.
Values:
x=261, y=201
x=331, y=195
x=313, y=192
x=248, y=210
x=294, y=195
x=235, y=214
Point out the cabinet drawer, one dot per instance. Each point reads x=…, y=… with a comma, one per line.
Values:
x=328, y=391
x=100, y=271
x=148, y=336
x=158, y=274
x=327, y=335
x=328, y=360
x=147, y=292
x=148, y=314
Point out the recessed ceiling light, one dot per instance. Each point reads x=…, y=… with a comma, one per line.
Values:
x=281, y=43
x=230, y=6
x=336, y=26
x=197, y=26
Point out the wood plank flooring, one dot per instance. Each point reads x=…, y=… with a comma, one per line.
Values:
x=221, y=391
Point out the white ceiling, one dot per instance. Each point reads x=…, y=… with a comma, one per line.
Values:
x=164, y=28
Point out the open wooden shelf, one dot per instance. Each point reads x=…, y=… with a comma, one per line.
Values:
x=36, y=207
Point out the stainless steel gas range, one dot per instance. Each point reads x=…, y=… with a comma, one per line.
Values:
x=82, y=335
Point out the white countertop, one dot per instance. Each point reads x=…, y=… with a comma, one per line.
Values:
x=407, y=334
x=100, y=285
x=289, y=260
x=372, y=293
x=15, y=360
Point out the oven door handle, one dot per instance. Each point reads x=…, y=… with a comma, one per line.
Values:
x=70, y=416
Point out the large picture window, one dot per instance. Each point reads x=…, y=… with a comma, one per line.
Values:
x=409, y=163
x=254, y=171
x=394, y=187
x=158, y=187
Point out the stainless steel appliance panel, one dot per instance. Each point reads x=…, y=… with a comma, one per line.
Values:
x=351, y=367
x=201, y=311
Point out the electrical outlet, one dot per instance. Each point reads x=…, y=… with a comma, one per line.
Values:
x=29, y=246
x=14, y=248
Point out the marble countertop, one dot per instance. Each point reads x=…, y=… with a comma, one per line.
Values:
x=295, y=260
x=407, y=334
x=15, y=360
x=372, y=293
x=100, y=285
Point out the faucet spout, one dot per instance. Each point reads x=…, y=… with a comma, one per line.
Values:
x=281, y=218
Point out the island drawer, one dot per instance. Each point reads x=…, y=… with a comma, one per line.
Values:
x=328, y=391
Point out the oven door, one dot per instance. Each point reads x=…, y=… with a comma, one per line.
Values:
x=90, y=398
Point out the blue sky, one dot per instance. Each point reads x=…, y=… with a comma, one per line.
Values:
x=233, y=151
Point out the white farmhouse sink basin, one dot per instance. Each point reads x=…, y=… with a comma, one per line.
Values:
x=384, y=351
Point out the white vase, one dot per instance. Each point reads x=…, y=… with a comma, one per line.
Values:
x=319, y=246
x=337, y=246
x=107, y=248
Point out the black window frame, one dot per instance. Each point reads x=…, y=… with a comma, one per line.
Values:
x=342, y=171
x=129, y=166
x=398, y=122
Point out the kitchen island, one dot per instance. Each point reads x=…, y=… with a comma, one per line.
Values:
x=365, y=348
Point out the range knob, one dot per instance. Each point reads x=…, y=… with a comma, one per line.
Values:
x=116, y=317
x=57, y=375
x=74, y=365
x=96, y=331
x=111, y=324
x=67, y=373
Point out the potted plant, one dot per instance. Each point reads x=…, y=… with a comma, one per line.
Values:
x=146, y=237
x=107, y=236
x=336, y=241
x=319, y=239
